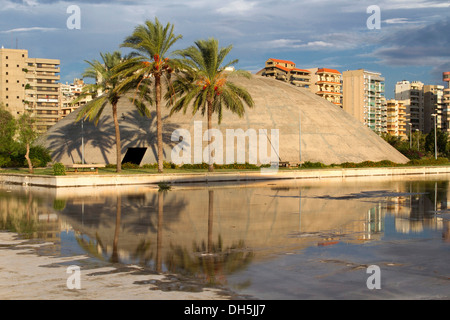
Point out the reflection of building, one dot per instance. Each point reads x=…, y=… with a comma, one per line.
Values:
x=32, y=218
x=30, y=84
x=364, y=98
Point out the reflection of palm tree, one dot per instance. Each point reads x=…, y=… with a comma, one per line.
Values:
x=210, y=260
x=159, y=231
x=115, y=254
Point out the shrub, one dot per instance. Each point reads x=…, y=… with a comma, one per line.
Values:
x=130, y=165
x=59, y=169
x=308, y=164
x=428, y=161
x=111, y=166
x=150, y=166
x=41, y=155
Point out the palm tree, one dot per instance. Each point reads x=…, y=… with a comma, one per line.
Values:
x=106, y=91
x=152, y=42
x=205, y=84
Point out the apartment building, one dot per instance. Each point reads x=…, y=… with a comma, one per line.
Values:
x=433, y=103
x=396, y=118
x=363, y=97
x=30, y=84
x=446, y=100
x=412, y=94
x=70, y=92
x=286, y=71
x=327, y=83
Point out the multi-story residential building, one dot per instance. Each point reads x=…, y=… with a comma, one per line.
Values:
x=446, y=99
x=433, y=97
x=285, y=70
x=363, y=97
x=30, y=84
x=412, y=94
x=327, y=83
x=396, y=118
x=70, y=92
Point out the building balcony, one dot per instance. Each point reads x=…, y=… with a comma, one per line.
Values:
x=446, y=76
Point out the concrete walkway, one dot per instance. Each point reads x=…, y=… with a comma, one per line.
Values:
x=243, y=176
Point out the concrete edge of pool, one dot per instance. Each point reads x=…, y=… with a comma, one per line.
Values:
x=74, y=180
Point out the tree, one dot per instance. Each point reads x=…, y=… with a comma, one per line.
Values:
x=7, y=131
x=441, y=141
x=27, y=135
x=107, y=84
x=152, y=42
x=205, y=85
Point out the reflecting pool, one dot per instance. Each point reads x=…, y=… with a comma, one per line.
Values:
x=270, y=240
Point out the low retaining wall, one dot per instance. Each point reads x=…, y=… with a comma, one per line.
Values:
x=138, y=179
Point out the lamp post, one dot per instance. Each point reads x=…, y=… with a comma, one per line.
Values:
x=410, y=140
x=418, y=140
x=82, y=141
x=435, y=136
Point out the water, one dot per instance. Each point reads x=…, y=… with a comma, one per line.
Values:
x=271, y=240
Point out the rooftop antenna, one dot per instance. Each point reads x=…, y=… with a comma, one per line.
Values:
x=17, y=43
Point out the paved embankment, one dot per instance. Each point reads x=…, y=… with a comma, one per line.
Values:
x=73, y=180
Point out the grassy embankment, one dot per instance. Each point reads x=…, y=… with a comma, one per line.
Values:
x=203, y=168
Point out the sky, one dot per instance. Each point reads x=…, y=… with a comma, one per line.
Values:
x=409, y=41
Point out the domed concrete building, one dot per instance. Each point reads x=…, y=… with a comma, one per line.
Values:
x=309, y=129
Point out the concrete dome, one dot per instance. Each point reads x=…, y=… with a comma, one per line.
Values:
x=327, y=133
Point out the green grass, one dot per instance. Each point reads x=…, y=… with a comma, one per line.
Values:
x=306, y=166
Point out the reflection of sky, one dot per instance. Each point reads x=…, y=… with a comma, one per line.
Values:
x=323, y=262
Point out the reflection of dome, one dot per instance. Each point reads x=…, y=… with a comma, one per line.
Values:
x=328, y=134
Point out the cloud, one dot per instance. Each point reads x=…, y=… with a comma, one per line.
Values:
x=29, y=29
x=237, y=7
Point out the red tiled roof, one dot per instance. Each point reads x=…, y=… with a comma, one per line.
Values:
x=283, y=68
x=302, y=70
x=282, y=61
x=328, y=70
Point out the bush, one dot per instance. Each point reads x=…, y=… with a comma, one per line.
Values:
x=150, y=166
x=40, y=155
x=59, y=169
x=111, y=166
x=129, y=165
x=428, y=161
x=308, y=164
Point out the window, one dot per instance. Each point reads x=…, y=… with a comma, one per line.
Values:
x=7, y=65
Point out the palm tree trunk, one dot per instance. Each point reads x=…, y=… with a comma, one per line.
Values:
x=27, y=156
x=210, y=111
x=159, y=122
x=118, y=144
